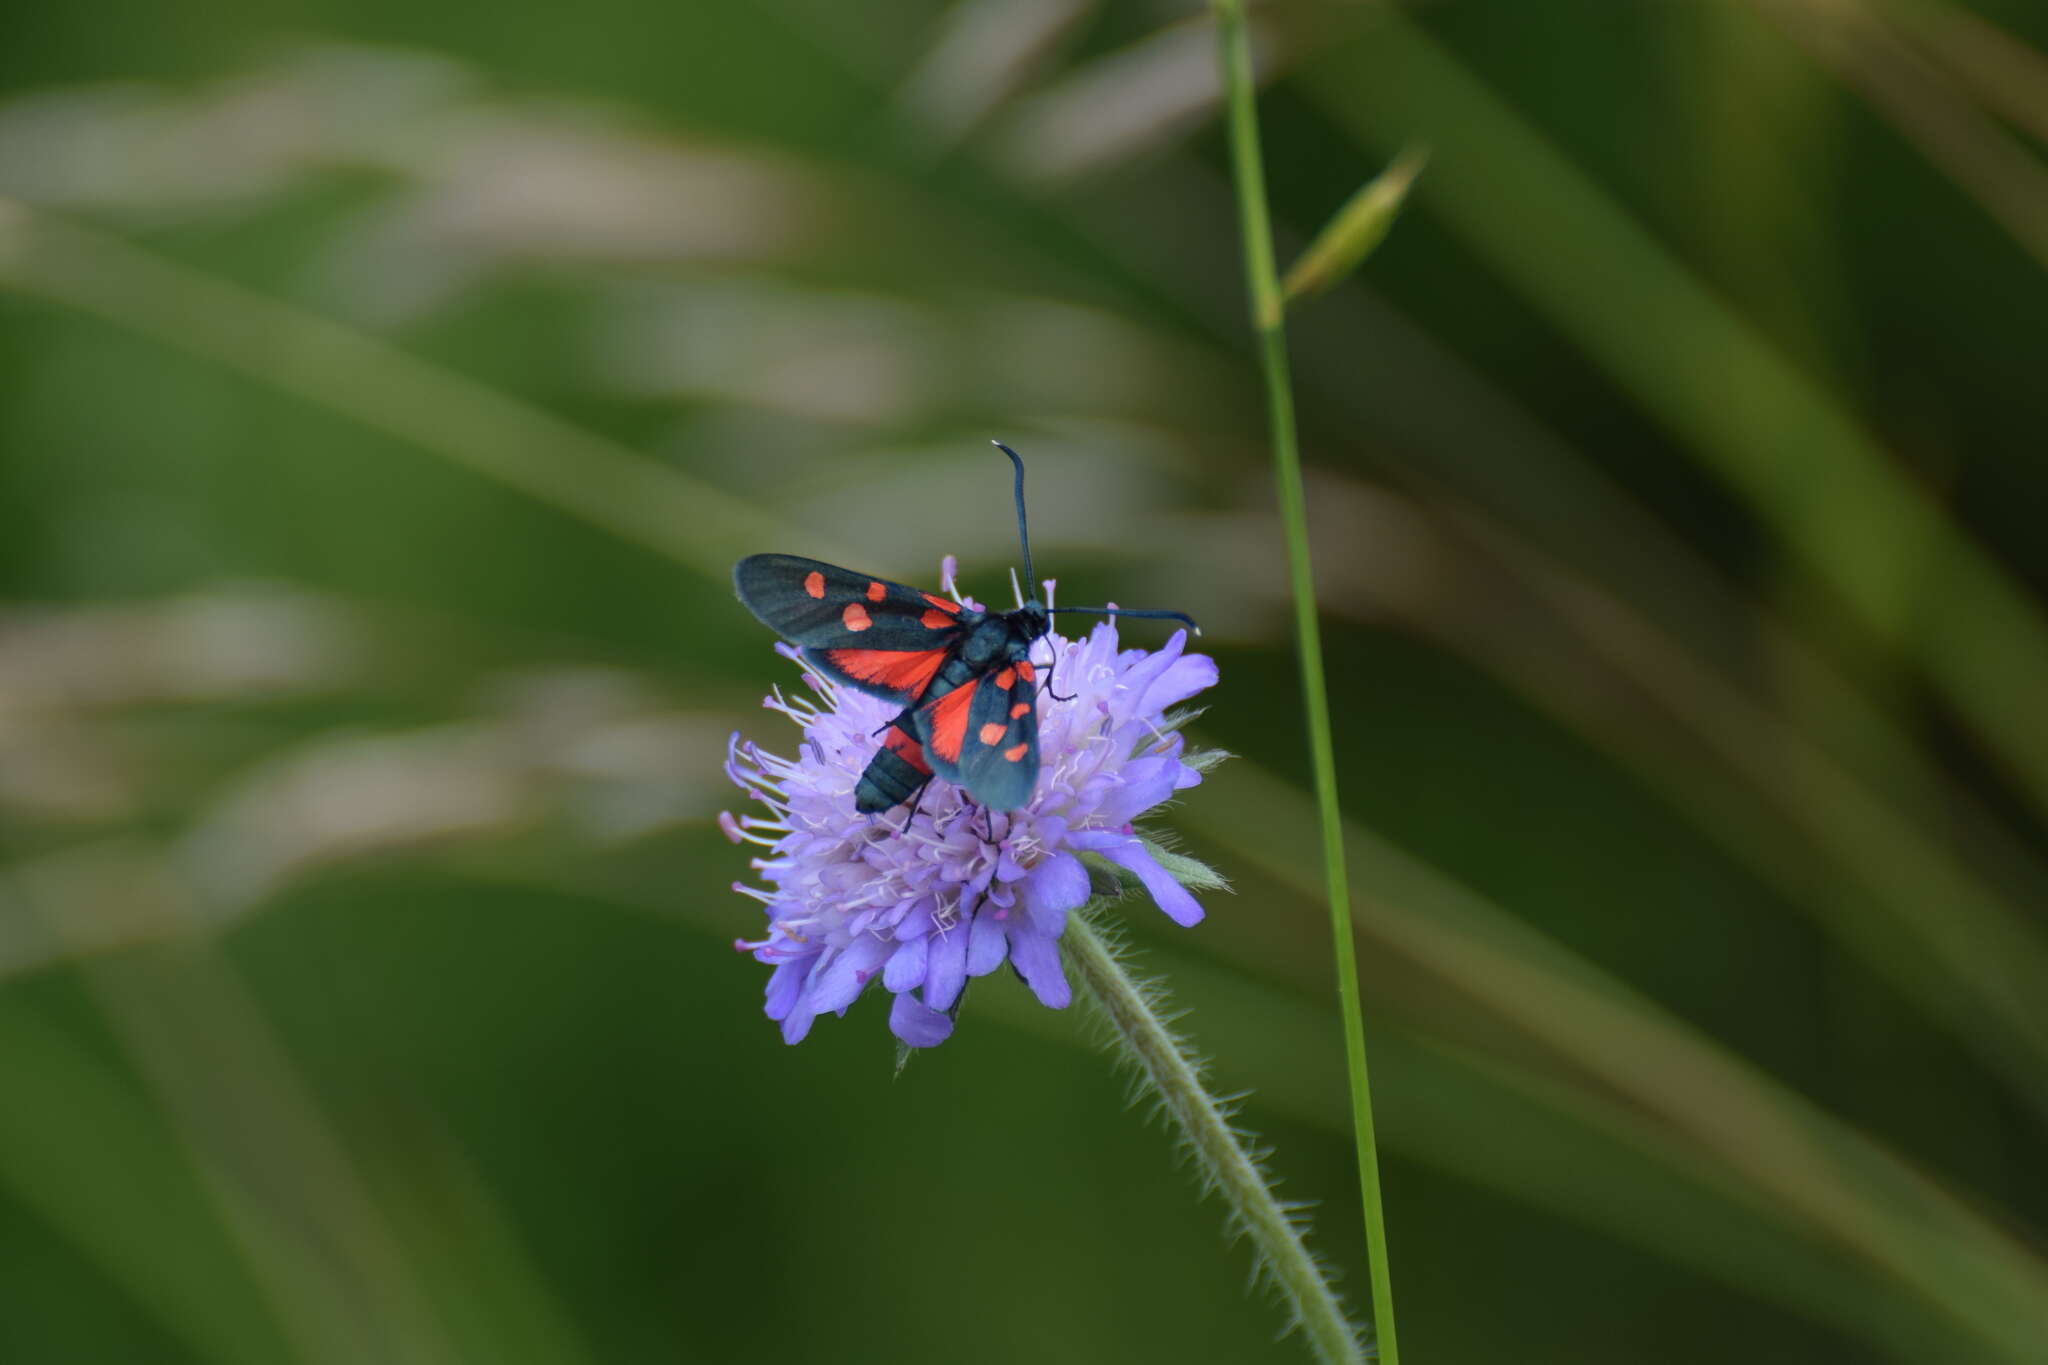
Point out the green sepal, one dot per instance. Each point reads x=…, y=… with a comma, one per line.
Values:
x=1109, y=881
x=1192, y=873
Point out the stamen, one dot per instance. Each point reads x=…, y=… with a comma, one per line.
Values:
x=775, y=764
x=815, y=680
x=743, y=830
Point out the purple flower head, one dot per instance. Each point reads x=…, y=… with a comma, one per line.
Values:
x=853, y=898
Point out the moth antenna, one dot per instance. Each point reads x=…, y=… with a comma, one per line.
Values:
x=1023, y=535
x=1016, y=588
x=1144, y=614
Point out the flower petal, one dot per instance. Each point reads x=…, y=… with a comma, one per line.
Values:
x=985, y=943
x=1145, y=669
x=945, y=970
x=917, y=920
x=843, y=979
x=798, y=1023
x=785, y=983
x=1055, y=886
x=1145, y=783
x=905, y=968
x=918, y=1024
x=1008, y=869
x=1125, y=851
x=1189, y=674
x=1037, y=959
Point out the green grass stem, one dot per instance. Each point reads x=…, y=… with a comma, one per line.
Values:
x=1269, y=321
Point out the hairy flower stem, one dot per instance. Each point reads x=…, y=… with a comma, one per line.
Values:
x=1269, y=322
x=1132, y=1009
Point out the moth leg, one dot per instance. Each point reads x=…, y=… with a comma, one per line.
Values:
x=1046, y=686
x=916, y=804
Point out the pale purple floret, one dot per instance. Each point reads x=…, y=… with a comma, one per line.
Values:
x=855, y=898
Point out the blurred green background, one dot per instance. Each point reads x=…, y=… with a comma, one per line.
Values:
x=385, y=389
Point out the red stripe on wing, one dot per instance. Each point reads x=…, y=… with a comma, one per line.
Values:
x=949, y=721
x=907, y=671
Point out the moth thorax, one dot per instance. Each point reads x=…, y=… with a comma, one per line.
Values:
x=986, y=643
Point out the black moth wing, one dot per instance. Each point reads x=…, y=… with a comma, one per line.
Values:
x=881, y=637
x=998, y=762
x=823, y=606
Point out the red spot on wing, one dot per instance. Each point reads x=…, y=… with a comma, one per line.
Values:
x=876, y=592
x=1019, y=709
x=936, y=620
x=1026, y=671
x=944, y=604
x=1017, y=751
x=1005, y=678
x=907, y=671
x=992, y=732
x=855, y=617
x=814, y=583
x=949, y=722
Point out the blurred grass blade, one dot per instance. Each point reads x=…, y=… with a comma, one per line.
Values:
x=1583, y=1155
x=1361, y=225
x=430, y=1275
x=81, y=1150
x=1931, y=917
x=1578, y=1153
x=1930, y=110
x=500, y=1306
x=1112, y=109
x=285, y=1187
x=1846, y=1188
x=1780, y=438
x=379, y=385
x=1997, y=67
x=984, y=52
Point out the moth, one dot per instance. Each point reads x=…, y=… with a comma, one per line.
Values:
x=963, y=677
